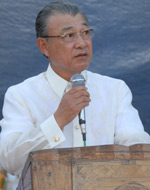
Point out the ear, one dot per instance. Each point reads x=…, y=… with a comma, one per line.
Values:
x=43, y=45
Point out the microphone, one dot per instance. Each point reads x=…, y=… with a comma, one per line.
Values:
x=79, y=80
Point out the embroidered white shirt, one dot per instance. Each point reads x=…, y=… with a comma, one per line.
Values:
x=29, y=124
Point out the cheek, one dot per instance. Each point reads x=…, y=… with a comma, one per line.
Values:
x=65, y=53
x=90, y=45
x=62, y=55
x=90, y=49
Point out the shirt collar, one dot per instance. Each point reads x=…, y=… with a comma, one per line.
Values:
x=58, y=84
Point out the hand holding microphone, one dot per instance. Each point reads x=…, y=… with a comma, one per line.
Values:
x=71, y=104
x=78, y=80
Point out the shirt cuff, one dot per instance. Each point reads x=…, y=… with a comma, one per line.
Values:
x=52, y=132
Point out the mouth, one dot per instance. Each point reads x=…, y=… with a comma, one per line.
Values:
x=81, y=55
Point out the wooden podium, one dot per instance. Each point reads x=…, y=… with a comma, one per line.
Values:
x=109, y=167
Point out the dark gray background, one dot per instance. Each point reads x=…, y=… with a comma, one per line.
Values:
x=121, y=47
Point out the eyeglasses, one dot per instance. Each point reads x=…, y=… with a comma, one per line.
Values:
x=72, y=36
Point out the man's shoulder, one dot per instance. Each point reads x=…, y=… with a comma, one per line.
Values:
x=29, y=83
x=105, y=84
x=103, y=78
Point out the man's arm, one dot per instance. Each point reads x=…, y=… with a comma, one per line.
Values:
x=129, y=128
x=21, y=134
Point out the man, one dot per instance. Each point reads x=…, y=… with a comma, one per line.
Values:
x=42, y=112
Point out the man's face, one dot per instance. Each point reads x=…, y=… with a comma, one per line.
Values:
x=68, y=58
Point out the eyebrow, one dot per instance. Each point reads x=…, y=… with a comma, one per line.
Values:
x=71, y=27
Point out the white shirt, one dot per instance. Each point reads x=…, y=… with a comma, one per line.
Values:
x=29, y=124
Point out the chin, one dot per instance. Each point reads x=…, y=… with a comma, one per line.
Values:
x=83, y=65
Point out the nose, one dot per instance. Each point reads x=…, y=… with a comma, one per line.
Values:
x=80, y=43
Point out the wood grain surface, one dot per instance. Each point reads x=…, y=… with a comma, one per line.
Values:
x=109, y=167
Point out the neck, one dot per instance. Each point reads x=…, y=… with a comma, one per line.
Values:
x=63, y=74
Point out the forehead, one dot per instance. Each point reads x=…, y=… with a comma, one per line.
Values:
x=63, y=22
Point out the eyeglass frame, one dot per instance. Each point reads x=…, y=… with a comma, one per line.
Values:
x=64, y=35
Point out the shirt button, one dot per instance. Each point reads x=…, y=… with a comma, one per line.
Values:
x=69, y=85
x=77, y=127
x=57, y=139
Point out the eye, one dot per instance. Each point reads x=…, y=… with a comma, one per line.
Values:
x=70, y=35
x=86, y=32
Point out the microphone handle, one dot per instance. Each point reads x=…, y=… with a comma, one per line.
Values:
x=82, y=123
x=79, y=80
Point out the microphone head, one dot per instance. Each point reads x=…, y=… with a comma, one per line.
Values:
x=77, y=80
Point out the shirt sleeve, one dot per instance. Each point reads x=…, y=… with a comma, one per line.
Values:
x=20, y=135
x=129, y=129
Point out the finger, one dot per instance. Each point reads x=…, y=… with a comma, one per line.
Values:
x=76, y=89
x=82, y=105
x=76, y=93
x=81, y=93
x=85, y=100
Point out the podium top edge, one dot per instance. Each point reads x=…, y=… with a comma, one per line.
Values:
x=75, y=152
